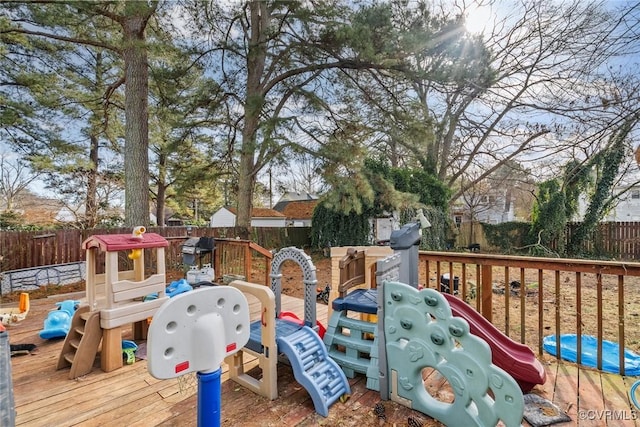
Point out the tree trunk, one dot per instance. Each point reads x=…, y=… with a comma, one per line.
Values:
x=162, y=189
x=91, y=203
x=161, y=206
x=136, y=155
x=252, y=106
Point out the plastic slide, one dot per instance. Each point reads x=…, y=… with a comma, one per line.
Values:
x=312, y=367
x=516, y=359
x=58, y=322
x=291, y=317
x=589, y=353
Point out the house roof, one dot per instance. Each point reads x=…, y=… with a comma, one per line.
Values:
x=292, y=196
x=300, y=210
x=260, y=213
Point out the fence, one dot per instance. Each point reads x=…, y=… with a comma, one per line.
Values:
x=34, y=277
x=27, y=249
x=617, y=240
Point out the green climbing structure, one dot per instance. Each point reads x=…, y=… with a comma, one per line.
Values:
x=420, y=332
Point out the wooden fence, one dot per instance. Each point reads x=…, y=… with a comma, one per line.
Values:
x=26, y=249
x=616, y=240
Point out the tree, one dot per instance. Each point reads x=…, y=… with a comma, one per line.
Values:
x=376, y=189
x=607, y=163
x=548, y=220
x=15, y=178
x=276, y=61
x=64, y=22
x=185, y=160
x=300, y=173
x=538, y=85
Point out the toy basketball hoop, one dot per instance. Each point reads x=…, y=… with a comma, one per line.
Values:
x=194, y=332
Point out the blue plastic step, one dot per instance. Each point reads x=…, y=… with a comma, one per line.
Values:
x=313, y=368
x=355, y=324
x=360, y=300
x=349, y=345
x=359, y=344
x=348, y=362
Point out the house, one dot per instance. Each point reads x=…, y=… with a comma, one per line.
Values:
x=492, y=206
x=626, y=210
x=293, y=196
x=299, y=213
x=260, y=217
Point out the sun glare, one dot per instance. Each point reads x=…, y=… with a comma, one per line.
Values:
x=478, y=19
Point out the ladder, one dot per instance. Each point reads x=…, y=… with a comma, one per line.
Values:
x=353, y=344
x=81, y=344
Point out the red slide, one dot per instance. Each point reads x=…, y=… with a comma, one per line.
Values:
x=516, y=359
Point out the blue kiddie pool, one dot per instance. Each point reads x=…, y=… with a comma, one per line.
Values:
x=589, y=353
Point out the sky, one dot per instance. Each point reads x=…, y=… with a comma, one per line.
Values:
x=479, y=20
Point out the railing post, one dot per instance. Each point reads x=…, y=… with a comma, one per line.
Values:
x=216, y=260
x=247, y=262
x=486, y=293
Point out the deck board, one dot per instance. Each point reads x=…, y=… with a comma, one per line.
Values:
x=590, y=397
x=614, y=392
x=131, y=396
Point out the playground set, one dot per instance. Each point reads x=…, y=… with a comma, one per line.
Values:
x=389, y=331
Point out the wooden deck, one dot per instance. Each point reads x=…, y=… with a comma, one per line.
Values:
x=131, y=396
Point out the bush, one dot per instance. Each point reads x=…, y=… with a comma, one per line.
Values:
x=507, y=236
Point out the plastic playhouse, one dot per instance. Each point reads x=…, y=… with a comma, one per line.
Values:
x=114, y=299
x=299, y=340
x=392, y=331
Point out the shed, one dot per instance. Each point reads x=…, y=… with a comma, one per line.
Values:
x=260, y=217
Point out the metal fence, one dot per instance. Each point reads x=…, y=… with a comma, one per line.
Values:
x=34, y=277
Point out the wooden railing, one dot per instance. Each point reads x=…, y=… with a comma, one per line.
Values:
x=236, y=257
x=547, y=295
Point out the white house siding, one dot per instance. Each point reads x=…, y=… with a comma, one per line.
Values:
x=268, y=222
x=627, y=209
x=223, y=218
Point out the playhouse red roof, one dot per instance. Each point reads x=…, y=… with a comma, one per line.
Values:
x=123, y=242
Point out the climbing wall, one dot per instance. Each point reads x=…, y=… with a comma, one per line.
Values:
x=420, y=332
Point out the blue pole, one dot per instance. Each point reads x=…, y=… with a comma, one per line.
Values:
x=209, y=396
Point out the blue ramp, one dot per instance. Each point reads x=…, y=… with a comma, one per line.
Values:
x=313, y=368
